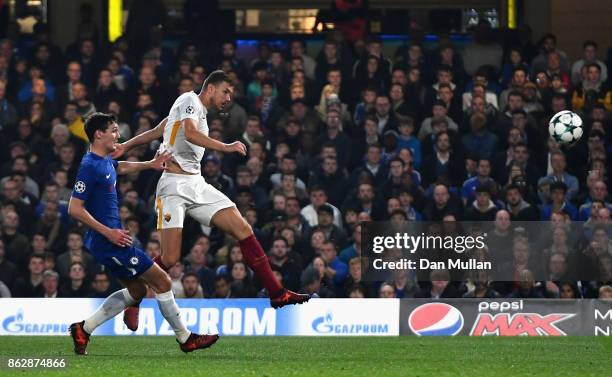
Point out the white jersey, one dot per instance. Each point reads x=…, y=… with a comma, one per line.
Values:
x=187, y=155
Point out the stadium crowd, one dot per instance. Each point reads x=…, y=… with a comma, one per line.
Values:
x=335, y=137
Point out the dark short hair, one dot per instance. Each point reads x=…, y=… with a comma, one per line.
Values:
x=595, y=65
x=397, y=159
x=153, y=241
x=327, y=209
x=102, y=272
x=36, y=255
x=405, y=120
x=243, y=169
x=516, y=93
x=316, y=188
x=288, y=156
x=188, y=274
x=521, y=144
x=445, y=85
x=445, y=68
x=558, y=186
x=400, y=212
x=216, y=78
x=75, y=231
x=97, y=122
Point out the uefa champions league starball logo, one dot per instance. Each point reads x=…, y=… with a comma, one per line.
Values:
x=79, y=187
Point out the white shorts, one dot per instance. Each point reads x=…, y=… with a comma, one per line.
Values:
x=178, y=194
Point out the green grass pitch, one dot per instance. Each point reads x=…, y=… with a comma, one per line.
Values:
x=309, y=356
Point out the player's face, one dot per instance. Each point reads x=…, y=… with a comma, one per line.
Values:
x=108, y=138
x=222, y=95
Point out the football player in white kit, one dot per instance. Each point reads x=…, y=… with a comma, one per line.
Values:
x=182, y=190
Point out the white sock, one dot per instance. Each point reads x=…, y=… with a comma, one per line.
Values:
x=113, y=305
x=170, y=311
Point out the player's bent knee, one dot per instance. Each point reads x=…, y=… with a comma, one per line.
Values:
x=245, y=230
x=163, y=284
x=241, y=229
x=169, y=259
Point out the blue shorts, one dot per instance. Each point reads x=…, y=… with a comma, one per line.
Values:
x=123, y=262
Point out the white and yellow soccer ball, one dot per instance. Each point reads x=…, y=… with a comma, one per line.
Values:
x=565, y=127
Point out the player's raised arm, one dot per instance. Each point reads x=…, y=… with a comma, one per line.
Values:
x=144, y=138
x=194, y=136
x=157, y=163
x=76, y=209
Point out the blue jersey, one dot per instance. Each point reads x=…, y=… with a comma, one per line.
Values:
x=96, y=185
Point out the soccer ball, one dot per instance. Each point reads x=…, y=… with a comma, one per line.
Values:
x=565, y=127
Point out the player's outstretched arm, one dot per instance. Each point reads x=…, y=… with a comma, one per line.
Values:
x=194, y=136
x=144, y=138
x=157, y=163
x=76, y=209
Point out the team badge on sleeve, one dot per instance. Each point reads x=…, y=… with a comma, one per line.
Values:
x=189, y=110
x=79, y=187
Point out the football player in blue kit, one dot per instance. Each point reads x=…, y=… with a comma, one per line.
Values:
x=94, y=202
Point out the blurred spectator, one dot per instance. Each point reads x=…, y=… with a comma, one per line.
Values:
x=75, y=253
x=16, y=244
x=481, y=288
x=50, y=284
x=592, y=90
x=548, y=44
x=8, y=269
x=440, y=286
x=480, y=142
x=280, y=260
x=336, y=269
x=191, y=286
x=527, y=287
x=74, y=76
x=605, y=292
x=75, y=285
x=8, y=111
x=589, y=56
x=101, y=285
x=386, y=290
x=30, y=284
x=559, y=174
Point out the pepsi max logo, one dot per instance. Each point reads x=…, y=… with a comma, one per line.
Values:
x=435, y=319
